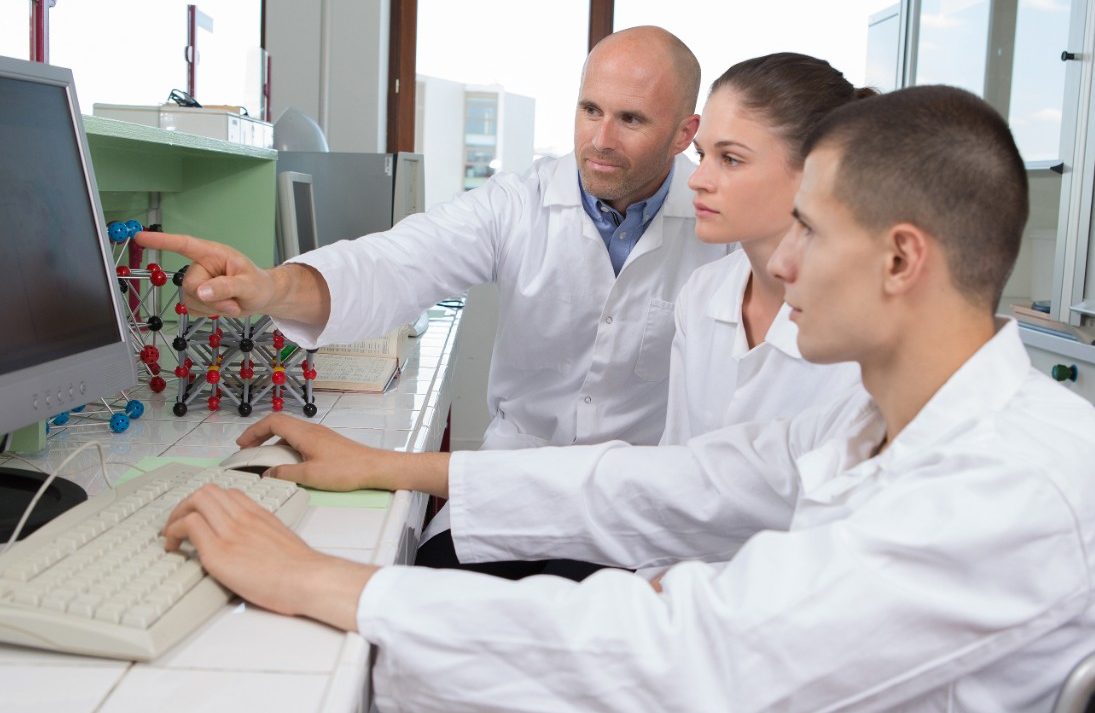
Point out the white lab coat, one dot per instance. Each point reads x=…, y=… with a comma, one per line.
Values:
x=581, y=355
x=716, y=380
x=953, y=572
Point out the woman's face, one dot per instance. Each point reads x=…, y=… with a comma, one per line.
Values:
x=745, y=185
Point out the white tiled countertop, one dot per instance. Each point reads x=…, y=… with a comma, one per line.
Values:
x=245, y=658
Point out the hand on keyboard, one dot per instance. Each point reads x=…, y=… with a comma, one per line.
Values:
x=252, y=553
x=97, y=580
x=242, y=545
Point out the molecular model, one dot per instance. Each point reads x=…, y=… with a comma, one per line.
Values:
x=218, y=357
x=115, y=413
x=242, y=361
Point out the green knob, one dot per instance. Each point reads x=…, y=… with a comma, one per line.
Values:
x=1060, y=372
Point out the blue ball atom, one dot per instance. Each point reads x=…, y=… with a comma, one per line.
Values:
x=134, y=409
x=119, y=422
x=60, y=419
x=133, y=227
x=117, y=231
x=79, y=409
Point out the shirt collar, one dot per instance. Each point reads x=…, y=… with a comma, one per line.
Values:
x=726, y=303
x=600, y=211
x=560, y=187
x=983, y=385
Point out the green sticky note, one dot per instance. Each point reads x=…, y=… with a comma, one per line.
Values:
x=317, y=498
x=352, y=499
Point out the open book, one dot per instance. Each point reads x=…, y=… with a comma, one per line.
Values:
x=369, y=366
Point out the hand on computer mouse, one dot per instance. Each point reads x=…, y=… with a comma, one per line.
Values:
x=331, y=461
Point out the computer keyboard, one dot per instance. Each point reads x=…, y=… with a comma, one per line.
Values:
x=97, y=580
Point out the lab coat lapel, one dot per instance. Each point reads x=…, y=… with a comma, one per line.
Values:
x=667, y=225
x=562, y=188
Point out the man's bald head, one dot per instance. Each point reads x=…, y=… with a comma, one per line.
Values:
x=635, y=113
x=658, y=51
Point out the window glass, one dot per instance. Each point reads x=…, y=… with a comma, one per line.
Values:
x=724, y=33
x=510, y=71
x=15, y=29
x=138, y=57
x=1038, y=79
x=952, y=45
x=1024, y=79
x=884, y=49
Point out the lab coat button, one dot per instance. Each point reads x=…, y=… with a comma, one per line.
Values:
x=589, y=399
x=608, y=319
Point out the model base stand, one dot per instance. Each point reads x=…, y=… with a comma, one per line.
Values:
x=113, y=414
x=243, y=361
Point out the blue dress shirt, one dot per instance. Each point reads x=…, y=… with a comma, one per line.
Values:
x=622, y=231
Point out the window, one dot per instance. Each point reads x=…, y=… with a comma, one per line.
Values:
x=137, y=58
x=510, y=71
x=722, y=34
x=15, y=29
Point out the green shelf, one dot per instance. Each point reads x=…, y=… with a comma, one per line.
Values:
x=207, y=188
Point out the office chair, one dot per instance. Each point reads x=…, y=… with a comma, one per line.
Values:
x=1077, y=692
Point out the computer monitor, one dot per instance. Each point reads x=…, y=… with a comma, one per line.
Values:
x=64, y=331
x=297, y=232
x=409, y=186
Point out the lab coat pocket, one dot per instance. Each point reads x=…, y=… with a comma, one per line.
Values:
x=653, y=361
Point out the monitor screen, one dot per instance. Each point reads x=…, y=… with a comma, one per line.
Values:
x=409, y=186
x=306, y=219
x=296, y=215
x=54, y=293
x=65, y=337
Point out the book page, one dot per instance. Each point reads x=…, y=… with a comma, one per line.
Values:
x=343, y=372
x=390, y=345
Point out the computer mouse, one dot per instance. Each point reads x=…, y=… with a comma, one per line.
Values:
x=259, y=458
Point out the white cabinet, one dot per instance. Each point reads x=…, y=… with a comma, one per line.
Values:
x=1071, y=364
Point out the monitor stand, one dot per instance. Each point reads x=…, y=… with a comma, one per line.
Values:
x=17, y=488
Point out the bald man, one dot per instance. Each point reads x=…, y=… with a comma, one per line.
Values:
x=588, y=252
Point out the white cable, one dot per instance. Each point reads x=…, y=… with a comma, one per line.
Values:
x=106, y=478
x=45, y=484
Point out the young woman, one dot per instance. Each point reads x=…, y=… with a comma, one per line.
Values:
x=735, y=357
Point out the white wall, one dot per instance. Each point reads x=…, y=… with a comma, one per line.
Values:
x=357, y=105
x=518, y=121
x=440, y=103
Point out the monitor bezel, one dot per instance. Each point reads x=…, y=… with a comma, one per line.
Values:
x=33, y=394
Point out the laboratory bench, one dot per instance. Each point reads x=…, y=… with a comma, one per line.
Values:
x=244, y=658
